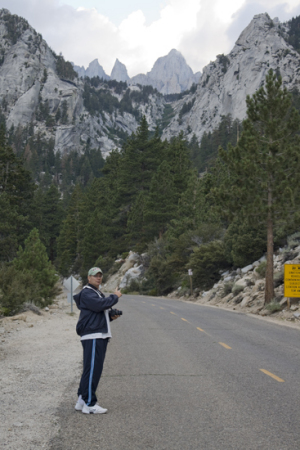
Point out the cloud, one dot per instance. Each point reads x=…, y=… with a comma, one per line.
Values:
x=200, y=29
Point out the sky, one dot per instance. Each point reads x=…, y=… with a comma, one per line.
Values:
x=137, y=32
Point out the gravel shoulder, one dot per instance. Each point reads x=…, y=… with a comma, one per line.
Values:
x=39, y=356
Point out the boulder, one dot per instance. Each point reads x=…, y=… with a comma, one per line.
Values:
x=246, y=301
x=132, y=274
x=247, y=268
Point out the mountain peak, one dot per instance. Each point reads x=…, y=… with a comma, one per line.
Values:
x=119, y=72
x=96, y=70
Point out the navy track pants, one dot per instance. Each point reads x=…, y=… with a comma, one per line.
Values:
x=93, y=358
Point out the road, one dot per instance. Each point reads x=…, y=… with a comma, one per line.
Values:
x=184, y=376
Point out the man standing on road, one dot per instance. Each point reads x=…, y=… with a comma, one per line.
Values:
x=94, y=328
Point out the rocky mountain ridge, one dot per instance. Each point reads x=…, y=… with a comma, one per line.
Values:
x=39, y=89
x=169, y=75
x=226, y=82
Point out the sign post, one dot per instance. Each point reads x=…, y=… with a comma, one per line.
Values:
x=190, y=272
x=71, y=284
x=291, y=281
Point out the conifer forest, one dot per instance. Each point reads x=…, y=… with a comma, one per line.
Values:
x=210, y=205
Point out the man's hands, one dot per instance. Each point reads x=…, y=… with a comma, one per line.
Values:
x=118, y=292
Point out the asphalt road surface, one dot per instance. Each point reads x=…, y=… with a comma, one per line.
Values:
x=184, y=376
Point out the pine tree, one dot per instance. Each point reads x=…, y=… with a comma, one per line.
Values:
x=16, y=193
x=34, y=260
x=52, y=215
x=67, y=242
x=263, y=168
x=161, y=203
x=178, y=157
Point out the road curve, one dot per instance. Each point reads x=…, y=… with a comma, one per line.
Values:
x=185, y=376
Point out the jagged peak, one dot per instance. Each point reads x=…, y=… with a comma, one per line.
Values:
x=119, y=72
x=261, y=23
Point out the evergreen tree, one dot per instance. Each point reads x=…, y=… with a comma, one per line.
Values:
x=263, y=168
x=16, y=192
x=161, y=203
x=51, y=215
x=135, y=223
x=178, y=157
x=67, y=241
x=33, y=259
x=141, y=157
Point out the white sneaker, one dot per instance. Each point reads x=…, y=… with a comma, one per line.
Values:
x=96, y=409
x=80, y=403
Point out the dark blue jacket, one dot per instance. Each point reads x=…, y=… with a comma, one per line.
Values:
x=92, y=317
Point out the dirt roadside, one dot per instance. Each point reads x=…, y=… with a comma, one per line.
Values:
x=39, y=357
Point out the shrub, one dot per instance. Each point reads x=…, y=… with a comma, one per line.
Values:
x=237, y=289
x=274, y=306
x=17, y=288
x=133, y=288
x=244, y=243
x=261, y=269
x=227, y=289
x=33, y=260
x=206, y=263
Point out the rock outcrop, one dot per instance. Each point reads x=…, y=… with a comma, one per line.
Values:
x=130, y=269
x=170, y=74
x=226, y=82
x=243, y=289
x=119, y=72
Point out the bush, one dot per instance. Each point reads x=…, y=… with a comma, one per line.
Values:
x=227, y=289
x=274, y=306
x=237, y=289
x=261, y=269
x=133, y=288
x=244, y=243
x=206, y=263
x=17, y=288
x=33, y=260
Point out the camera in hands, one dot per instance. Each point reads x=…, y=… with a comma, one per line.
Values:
x=114, y=312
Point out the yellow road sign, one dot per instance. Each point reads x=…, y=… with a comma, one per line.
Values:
x=292, y=280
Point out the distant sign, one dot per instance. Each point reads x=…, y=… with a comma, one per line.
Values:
x=190, y=272
x=71, y=283
x=292, y=280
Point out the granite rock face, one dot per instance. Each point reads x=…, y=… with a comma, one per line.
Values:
x=96, y=70
x=170, y=74
x=119, y=72
x=29, y=82
x=226, y=82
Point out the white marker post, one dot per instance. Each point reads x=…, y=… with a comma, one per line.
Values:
x=71, y=284
x=190, y=272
